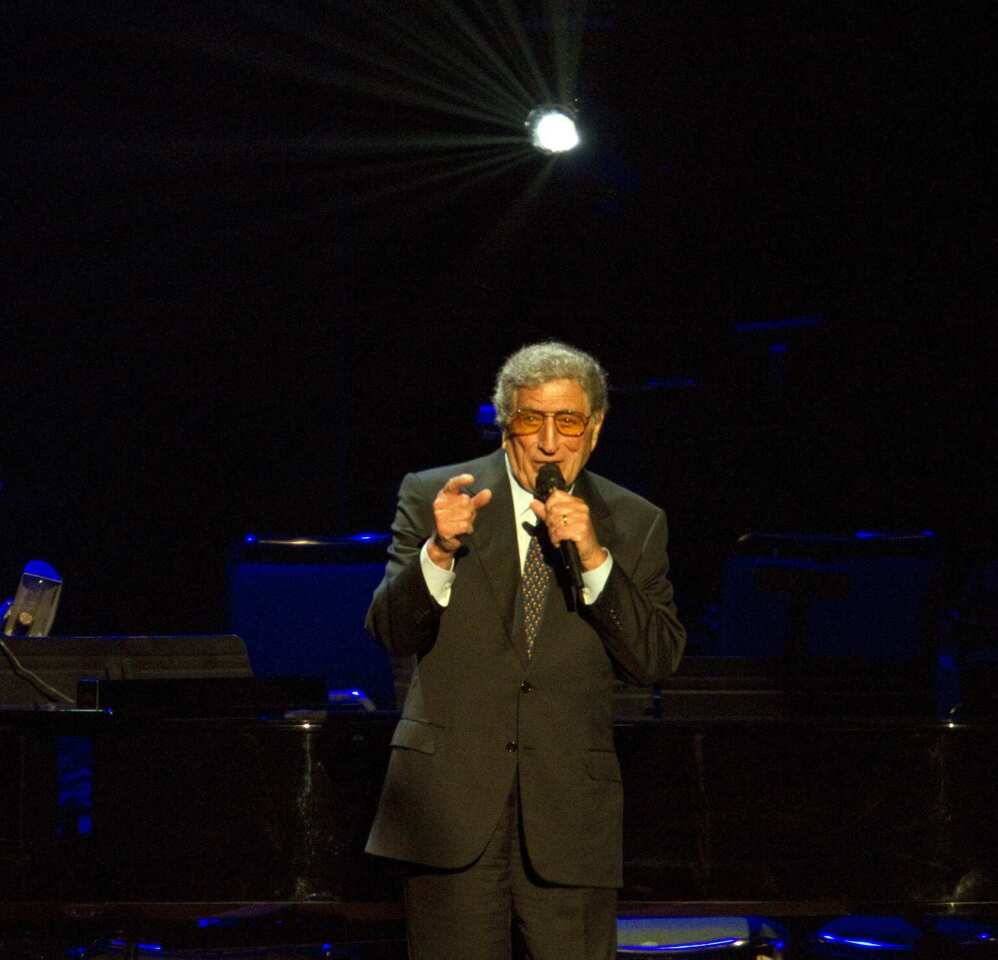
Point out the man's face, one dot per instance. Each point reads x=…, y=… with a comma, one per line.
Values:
x=527, y=452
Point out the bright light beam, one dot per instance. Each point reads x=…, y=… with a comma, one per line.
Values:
x=457, y=78
x=552, y=129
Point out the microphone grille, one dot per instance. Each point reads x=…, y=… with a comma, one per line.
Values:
x=548, y=478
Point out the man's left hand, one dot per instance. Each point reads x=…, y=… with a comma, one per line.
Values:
x=567, y=518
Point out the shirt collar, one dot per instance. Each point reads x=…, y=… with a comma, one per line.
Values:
x=521, y=498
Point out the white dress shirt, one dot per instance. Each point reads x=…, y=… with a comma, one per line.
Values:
x=439, y=581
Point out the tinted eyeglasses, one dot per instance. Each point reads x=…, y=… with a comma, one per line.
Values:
x=567, y=422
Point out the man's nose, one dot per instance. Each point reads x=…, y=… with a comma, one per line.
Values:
x=549, y=436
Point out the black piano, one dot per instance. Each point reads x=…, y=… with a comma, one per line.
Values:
x=163, y=826
x=189, y=803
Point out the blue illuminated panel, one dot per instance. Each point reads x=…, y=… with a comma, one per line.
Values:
x=75, y=787
x=299, y=604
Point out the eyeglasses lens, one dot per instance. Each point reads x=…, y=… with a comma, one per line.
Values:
x=525, y=422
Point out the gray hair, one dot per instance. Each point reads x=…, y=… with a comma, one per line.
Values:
x=538, y=363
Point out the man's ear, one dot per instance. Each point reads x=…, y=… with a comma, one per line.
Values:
x=597, y=426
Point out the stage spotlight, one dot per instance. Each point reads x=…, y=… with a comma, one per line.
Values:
x=552, y=129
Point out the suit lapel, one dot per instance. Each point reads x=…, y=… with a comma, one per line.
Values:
x=494, y=543
x=599, y=512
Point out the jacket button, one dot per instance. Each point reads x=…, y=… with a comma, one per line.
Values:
x=526, y=686
x=511, y=746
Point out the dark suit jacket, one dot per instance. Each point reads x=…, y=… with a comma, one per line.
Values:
x=478, y=710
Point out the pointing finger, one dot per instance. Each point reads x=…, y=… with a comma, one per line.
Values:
x=455, y=484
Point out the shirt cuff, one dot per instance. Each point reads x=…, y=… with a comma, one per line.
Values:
x=593, y=581
x=438, y=580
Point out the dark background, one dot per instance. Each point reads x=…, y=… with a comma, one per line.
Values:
x=245, y=294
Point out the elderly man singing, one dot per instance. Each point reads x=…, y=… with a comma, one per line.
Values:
x=525, y=585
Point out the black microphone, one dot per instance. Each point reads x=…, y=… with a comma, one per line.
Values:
x=549, y=478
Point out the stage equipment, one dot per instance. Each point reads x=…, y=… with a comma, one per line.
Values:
x=551, y=129
x=62, y=662
x=206, y=696
x=32, y=611
x=549, y=479
x=853, y=618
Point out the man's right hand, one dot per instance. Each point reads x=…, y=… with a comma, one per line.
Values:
x=454, y=512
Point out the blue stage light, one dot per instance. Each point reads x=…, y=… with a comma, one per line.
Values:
x=669, y=383
x=350, y=700
x=790, y=323
x=682, y=947
x=891, y=534
x=871, y=944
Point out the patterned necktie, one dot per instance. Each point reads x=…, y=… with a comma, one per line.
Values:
x=534, y=588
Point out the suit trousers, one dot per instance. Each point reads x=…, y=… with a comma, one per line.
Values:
x=499, y=908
